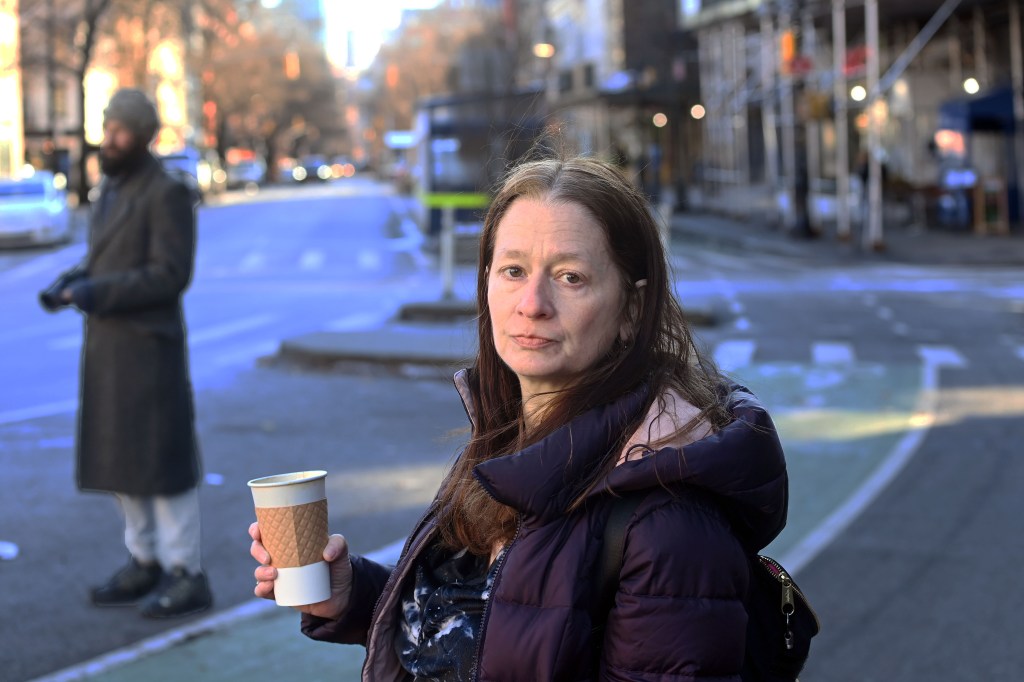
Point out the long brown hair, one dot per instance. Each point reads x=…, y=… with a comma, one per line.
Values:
x=661, y=351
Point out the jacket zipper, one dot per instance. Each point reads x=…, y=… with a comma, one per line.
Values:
x=487, y=607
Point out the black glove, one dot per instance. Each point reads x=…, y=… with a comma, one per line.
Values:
x=50, y=298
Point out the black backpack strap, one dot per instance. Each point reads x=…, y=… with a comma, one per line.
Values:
x=611, y=560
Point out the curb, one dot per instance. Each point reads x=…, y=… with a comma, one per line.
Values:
x=430, y=346
x=412, y=348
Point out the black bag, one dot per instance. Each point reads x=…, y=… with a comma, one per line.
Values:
x=780, y=621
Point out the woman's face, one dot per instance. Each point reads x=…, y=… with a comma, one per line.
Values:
x=554, y=294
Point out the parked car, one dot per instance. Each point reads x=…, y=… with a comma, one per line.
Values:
x=246, y=172
x=203, y=167
x=312, y=167
x=342, y=167
x=34, y=210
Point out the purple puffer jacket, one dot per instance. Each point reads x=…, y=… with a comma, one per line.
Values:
x=678, y=614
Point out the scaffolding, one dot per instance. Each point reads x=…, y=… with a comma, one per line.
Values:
x=769, y=112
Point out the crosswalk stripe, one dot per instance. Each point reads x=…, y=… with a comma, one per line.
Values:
x=358, y=321
x=941, y=356
x=368, y=259
x=730, y=355
x=253, y=260
x=312, y=260
x=66, y=342
x=221, y=331
x=832, y=353
x=36, y=411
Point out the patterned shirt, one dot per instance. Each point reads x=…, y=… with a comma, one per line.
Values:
x=442, y=614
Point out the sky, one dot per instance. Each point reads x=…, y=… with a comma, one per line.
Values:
x=368, y=21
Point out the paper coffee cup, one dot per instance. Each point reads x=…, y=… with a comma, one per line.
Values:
x=291, y=510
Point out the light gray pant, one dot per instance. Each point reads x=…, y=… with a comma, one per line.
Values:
x=163, y=528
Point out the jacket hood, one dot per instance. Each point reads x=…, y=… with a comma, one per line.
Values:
x=742, y=465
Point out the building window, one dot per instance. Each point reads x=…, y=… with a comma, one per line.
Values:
x=60, y=102
x=565, y=81
x=588, y=76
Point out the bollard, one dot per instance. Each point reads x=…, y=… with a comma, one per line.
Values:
x=666, y=206
x=448, y=252
x=664, y=223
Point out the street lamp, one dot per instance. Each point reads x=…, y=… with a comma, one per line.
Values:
x=544, y=50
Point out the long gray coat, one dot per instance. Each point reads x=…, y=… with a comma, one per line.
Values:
x=136, y=416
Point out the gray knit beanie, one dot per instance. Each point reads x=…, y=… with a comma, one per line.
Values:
x=135, y=110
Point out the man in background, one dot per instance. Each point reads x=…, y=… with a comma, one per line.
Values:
x=136, y=434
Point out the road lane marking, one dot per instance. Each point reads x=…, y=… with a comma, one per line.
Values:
x=918, y=426
x=197, y=338
x=252, y=261
x=358, y=321
x=944, y=356
x=37, y=411
x=410, y=243
x=245, y=354
x=311, y=260
x=831, y=353
x=53, y=263
x=8, y=551
x=731, y=355
x=221, y=331
x=225, y=620
x=368, y=260
x=66, y=342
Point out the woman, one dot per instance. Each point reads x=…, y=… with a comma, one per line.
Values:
x=587, y=385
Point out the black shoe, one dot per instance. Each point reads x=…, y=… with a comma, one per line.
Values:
x=178, y=595
x=129, y=585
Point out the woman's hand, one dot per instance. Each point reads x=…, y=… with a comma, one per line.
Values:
x=335, y=554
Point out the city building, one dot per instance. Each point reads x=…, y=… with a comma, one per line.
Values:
x=67, y=80
x=11, y=124
x=49, y=93
x=621, y=76
x=904, y=107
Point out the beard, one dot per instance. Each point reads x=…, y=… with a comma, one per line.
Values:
x=121, y=161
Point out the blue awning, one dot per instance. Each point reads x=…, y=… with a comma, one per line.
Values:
x=990, y=111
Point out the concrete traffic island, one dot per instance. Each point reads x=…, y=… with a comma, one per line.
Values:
x=422, y=338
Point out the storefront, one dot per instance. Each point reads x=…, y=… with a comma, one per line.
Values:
x=12, y=152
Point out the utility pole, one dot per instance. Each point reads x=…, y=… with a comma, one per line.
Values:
x=794, y=125
x=50, y=144
x=769, y=71
x=873, y=235
x=788, y=113
x=842, y=123
x=1017, y=71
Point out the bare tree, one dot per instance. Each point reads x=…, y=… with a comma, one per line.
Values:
x=271, y=86
x=68, y=32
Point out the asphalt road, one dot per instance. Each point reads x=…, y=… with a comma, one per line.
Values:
x=299, y=260
x=914, y=578
x=923, y=584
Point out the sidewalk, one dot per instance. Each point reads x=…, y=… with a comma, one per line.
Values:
x=746, y=223
x=258, y=639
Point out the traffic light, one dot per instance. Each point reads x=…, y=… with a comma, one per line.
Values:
x=787, y=51
x=292, y=68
